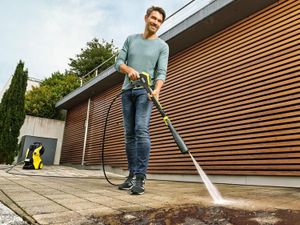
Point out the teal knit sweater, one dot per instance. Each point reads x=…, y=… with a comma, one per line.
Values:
x=144, y=55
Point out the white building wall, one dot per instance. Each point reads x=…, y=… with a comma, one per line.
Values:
x=31, y=82
x=5, y=88
x=47, y=128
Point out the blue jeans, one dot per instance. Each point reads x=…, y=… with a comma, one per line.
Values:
x=137, y=109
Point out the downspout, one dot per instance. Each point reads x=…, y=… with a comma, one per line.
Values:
x=86, y=124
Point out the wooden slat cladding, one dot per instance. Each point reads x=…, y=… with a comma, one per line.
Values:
x=74, y=135
x=235, y=100
x=74, y=132
x=114, y=132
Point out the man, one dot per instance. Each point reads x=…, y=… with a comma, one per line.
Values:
x=141, y=53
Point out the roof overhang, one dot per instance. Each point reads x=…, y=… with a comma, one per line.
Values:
x=209, y=20
x=102, y=82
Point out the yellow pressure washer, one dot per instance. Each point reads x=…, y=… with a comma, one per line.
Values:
x=33, y=158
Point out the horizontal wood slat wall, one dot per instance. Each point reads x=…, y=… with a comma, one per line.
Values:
x=234, y=98
x=74, y=135
x=114, y=132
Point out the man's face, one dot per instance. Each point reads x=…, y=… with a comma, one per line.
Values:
x=153, y=21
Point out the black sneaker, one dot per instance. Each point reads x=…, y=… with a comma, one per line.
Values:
x=138, y=187
x=128, y=183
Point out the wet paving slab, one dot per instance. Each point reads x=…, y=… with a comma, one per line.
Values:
x=75, y=201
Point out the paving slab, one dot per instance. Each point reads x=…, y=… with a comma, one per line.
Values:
x=66, y=195
x=59, y=217
x=9, y=217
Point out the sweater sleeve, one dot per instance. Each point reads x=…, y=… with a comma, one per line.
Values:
x=162, y=63
x=123, y=55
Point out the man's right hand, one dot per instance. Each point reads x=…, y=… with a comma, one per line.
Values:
x=131, y=73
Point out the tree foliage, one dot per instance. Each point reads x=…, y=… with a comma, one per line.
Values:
x=12, y=114
x=40, y=101
x=92, y=56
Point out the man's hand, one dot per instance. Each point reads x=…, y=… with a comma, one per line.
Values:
x=133, y=74
x=155, y=94
x=156, y=91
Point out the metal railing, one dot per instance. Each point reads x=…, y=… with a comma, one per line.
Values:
x=183, y=13
x=95, y=70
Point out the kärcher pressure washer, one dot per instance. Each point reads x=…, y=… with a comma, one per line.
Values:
x=33, y=158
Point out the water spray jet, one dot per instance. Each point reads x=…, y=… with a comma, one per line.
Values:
x=145, y=81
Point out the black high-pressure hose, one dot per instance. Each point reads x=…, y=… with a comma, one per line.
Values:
x=11, y=167
x=103, y=139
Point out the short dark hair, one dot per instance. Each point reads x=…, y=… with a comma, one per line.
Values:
x=158, y=9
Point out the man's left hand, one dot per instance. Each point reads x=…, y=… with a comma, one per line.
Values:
x=155, y=94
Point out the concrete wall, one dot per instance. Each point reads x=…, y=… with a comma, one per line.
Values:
x=47, y=128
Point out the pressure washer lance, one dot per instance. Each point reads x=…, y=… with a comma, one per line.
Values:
x=145, y=81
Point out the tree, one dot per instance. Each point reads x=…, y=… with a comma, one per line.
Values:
x=40, y=101
x=12, y=114
x=95, y=54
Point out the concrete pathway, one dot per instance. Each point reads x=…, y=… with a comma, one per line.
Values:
x=80, y=196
